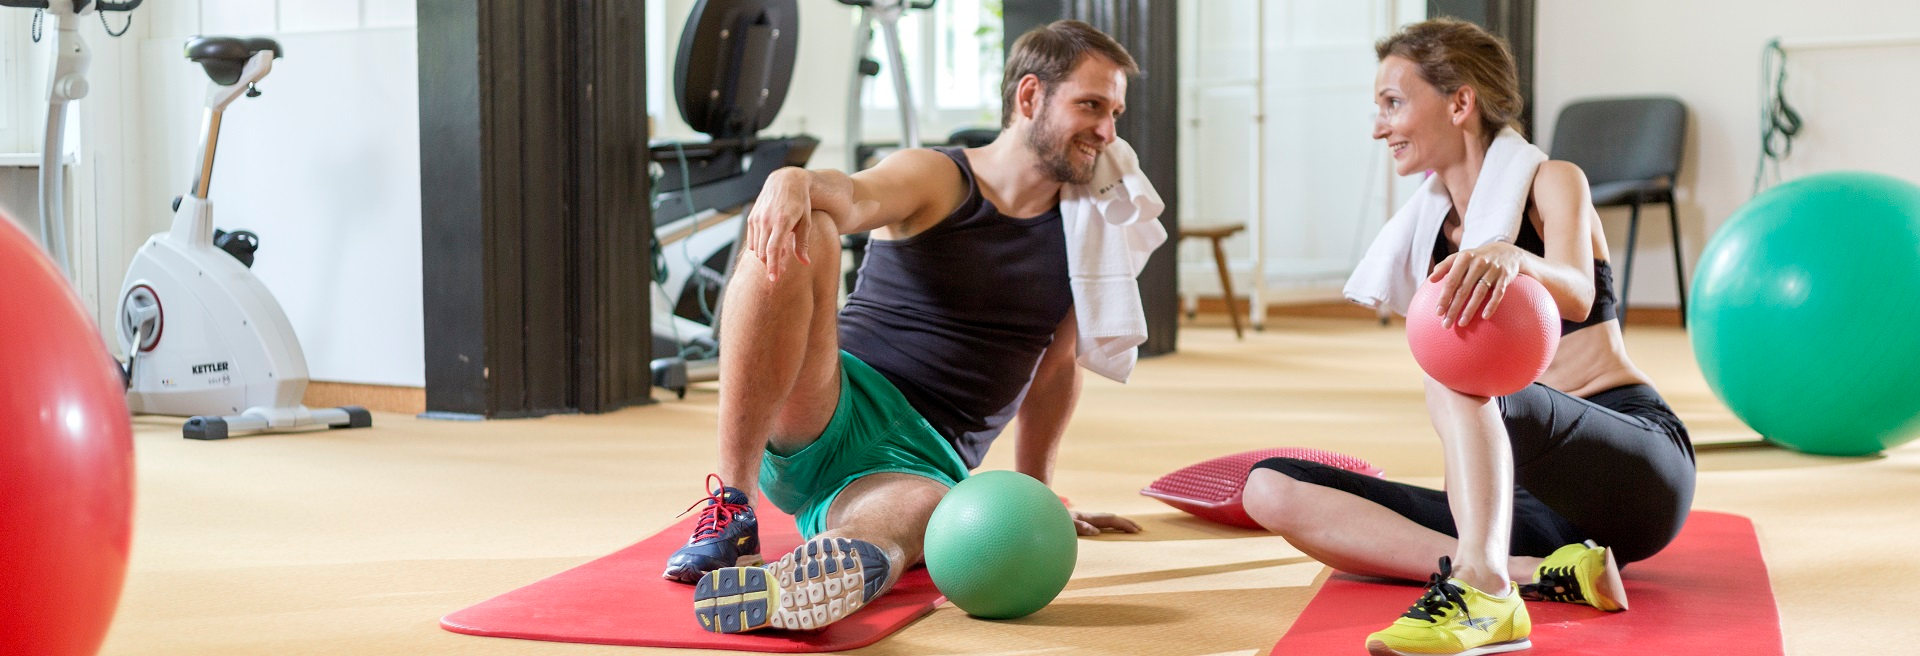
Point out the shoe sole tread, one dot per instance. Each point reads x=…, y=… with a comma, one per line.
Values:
x=819, y=583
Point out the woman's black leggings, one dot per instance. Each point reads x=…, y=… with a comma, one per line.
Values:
x=1616, y=468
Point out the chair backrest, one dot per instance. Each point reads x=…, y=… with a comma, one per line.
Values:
x=1618, y=139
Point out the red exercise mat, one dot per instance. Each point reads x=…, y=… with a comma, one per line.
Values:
x=620, y=599
x=1212, y=489
x=1706, y=594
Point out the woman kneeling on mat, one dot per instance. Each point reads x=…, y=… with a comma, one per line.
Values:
x=1588, y=454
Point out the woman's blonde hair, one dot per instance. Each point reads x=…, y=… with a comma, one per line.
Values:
x=1450, y=53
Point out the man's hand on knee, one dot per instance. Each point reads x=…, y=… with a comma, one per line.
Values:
x=781, y=221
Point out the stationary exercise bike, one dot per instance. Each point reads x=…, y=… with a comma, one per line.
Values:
x=204, y=337
x=882, y=16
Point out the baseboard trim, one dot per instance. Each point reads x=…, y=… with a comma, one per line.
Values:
x=1310, y=309
x=1655, y=316
x=1639, y=316
x=379, y=398
x=413, y=400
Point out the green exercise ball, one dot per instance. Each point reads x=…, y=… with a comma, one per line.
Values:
x=1001, y=545
x=1804, y=315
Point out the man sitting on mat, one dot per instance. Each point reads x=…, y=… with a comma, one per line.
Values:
x=857, y=421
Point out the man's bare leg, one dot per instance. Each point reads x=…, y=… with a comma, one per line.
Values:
x=779, y=356
x=889, y=511
x=780, y=381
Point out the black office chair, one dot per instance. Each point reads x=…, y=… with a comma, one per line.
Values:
x=1630, y=149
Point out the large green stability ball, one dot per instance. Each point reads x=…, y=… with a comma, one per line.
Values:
x=1001, y=545
x=1805, y=307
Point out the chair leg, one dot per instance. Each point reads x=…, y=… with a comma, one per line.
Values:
x=1679, y=274
x=1626, y=282
x=1226, y=286
x=1189, y=302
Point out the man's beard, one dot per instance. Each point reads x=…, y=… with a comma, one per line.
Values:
x=1055, y=151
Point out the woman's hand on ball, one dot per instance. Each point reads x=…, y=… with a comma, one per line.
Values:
x=1474, y=281
x=1093, y=523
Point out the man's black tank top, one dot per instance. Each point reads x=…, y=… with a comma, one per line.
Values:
x=956, y=317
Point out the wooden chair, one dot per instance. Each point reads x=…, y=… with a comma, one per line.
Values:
x=1218, y=235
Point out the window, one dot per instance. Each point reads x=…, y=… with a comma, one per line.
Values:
x=969, y=57
x=954, y=55
x=659, y=67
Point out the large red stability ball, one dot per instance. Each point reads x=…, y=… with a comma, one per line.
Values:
x=1486, y=357
x=66, y=463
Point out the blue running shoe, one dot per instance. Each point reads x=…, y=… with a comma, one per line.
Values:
x=820, y=583
x=726, y=536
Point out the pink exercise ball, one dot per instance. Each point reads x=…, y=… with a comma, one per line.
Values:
x=1487, y=357
x=66, y=463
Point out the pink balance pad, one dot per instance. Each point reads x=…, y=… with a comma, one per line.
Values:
x=1212, y=489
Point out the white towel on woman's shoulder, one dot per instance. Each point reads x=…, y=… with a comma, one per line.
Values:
x=1112, y=225
x=1401, y=254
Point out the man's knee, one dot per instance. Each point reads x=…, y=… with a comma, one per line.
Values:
x=891, y=505
x=823, y=248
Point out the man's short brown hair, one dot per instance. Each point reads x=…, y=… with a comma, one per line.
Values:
x=1050, y=52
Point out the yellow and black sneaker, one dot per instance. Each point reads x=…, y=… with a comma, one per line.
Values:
x=820, y=583
x=1579, y=574
x=1454, y=618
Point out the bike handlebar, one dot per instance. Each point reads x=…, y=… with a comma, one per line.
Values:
x=104, y=5
x=914, y=4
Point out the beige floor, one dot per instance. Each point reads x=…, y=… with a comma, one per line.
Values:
x=356, y=542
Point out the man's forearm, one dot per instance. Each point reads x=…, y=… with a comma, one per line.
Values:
x=1043, y=418
x=827, y=191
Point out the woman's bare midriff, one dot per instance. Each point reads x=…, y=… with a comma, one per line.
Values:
x=1592, y=360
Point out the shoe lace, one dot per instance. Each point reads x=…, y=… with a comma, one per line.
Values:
x=719, y=511
x=1439, y=596
x=1558, y=584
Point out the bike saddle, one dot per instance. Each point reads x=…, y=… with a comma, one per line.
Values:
x=225, y=56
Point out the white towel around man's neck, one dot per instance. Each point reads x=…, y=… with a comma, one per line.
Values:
x=1402, y=253
x=1112, y=225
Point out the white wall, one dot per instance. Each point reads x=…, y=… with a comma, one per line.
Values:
x=24, y=61
x=324, y=165
x=1707, y=53
x=1322, y=181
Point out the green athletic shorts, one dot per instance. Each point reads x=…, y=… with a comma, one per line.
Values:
x=873, y=431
